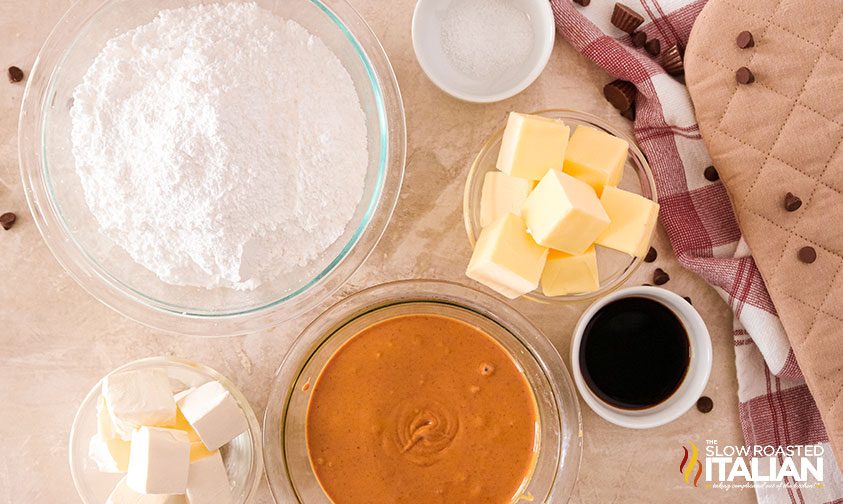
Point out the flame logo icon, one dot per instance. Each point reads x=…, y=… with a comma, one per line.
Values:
x=689, y=460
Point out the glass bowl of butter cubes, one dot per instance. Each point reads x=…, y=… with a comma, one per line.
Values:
x=165, y=431
x=559, y=206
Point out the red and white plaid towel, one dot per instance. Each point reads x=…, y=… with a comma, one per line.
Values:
x=776, y=407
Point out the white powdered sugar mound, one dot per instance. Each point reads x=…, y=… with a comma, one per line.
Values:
x=220, y=145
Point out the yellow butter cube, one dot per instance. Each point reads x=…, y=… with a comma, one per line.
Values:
x=570, y=274
x=506, y=259
x=564, y=213
x=596, y=157
x=633, y=219
x=531, y=145
x=502, y=194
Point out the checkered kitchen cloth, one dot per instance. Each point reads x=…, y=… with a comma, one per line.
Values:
x=776, y=407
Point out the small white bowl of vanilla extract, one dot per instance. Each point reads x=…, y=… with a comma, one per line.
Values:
x=641, y=357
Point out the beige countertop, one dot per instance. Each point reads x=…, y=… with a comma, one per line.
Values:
x=56, y=341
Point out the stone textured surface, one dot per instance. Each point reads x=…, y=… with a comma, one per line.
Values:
x=56, y=340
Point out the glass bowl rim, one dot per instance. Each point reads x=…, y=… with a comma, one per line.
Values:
x=163, y=315
x=256, y=473
x=400, y=292
x=494, y=138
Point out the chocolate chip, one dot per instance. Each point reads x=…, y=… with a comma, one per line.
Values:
x=745, y=40
x=807, y=255
x=744, y=76
x=620, y=93
x=792, y=202
x=654, y=47
x=15, y=74
x=7, y=220
x=711, y=174
x=646, y=285
x=639, y=38
x=660, y=276
x=705, y=404
x=672, y=61
x=651, y=256
x=686, y=298
x=625, y=18
x=629, y=113
x=584, y=3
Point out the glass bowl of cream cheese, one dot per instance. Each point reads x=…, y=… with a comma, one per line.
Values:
x=148, y=143
x=95, y=472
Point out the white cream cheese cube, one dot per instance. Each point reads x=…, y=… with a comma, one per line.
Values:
x=123, y=494
x=213, y=414
x=98, y=452
x=159, y=461
x=208, y=482
x=108, y=451
x=178, y=396
x=138, y=397
x=502, y=194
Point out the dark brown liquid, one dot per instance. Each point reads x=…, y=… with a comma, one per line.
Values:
x=634, y=353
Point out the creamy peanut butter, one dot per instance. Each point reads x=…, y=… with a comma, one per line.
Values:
x=421, y=409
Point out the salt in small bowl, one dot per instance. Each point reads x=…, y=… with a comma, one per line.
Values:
x=429, y=20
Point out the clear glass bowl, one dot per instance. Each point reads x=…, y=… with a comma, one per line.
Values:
x=242, y=455
x=291, y=478
x=56, y=199
x=614, y=267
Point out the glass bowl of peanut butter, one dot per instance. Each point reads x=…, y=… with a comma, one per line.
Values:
x=426, y=392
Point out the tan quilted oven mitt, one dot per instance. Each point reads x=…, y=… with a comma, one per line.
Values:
x=782, y=133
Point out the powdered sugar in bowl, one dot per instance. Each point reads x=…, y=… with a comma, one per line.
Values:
x=191, y=182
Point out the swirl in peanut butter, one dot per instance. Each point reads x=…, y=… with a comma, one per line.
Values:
x=421, y=409
x=422, y=432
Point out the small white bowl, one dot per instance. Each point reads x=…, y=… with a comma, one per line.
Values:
x=428, y=18
x=692, y=386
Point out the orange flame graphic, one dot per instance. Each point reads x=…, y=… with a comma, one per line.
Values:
x=686, y=467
